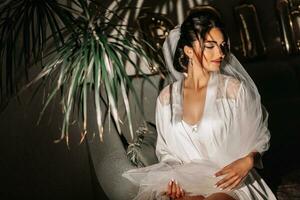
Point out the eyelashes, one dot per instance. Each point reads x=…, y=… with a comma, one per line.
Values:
x=211, y=45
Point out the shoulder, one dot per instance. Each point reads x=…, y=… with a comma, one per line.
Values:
x=232, y=86
x=164, y=95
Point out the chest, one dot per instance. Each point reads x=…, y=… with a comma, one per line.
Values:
x=193, y=105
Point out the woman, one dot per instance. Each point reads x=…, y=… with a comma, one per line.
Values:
x=212, y=129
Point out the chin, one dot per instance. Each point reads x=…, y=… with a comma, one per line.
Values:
x=214, y=69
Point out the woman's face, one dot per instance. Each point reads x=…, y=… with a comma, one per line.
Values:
x=212, y=51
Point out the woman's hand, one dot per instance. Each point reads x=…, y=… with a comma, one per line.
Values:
x=235, y=172
x=174, y=191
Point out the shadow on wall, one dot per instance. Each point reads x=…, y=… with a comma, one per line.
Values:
x=32, y=165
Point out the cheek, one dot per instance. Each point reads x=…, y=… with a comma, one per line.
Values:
x=208, y=65
x=207, y=58
x=208, y=55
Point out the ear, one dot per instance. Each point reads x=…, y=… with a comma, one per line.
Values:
x=188, y=51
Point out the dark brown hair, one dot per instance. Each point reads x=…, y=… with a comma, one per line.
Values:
x=195, y=27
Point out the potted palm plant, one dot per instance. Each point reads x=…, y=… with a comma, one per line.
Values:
x=81, y=48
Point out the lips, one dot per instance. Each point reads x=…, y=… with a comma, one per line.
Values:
x=216, y=61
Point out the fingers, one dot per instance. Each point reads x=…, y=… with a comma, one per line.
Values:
x=179, y=191
x=174, y=190
x=169, y=190
x=225, y=179
x=236, y=183
x=222, y=172
x=229, y=182
x=182, y=192
x=173, y=194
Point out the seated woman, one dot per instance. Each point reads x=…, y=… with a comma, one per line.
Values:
x=212, y=128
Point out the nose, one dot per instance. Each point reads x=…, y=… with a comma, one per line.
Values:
x=220, y=52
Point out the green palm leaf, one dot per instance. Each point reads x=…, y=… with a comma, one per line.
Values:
x=89, y=58
x=26, y=29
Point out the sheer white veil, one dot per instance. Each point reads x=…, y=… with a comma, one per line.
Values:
x=169, y=48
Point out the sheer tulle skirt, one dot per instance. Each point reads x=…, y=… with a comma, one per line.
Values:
x=196, y=178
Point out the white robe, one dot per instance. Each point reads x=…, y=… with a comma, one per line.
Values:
x=231, y=127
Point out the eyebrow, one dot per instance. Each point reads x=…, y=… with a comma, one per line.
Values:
x=213, y=41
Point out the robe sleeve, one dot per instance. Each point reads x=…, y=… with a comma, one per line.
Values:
x=163, y=151
x=252, y=119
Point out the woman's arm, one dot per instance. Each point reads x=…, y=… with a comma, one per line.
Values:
x=235, y=172
x=252, y=135
x=163, y=152
x=255, y=158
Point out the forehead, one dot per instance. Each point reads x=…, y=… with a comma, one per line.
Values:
x=214, y=34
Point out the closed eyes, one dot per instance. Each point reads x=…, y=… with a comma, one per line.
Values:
x=212, y=44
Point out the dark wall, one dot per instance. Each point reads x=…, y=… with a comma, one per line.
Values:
x=176, y=10
x=32, y=165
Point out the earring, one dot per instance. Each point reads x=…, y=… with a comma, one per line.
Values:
x=191, y=62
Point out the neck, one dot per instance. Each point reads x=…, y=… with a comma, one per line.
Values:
x=197, y=78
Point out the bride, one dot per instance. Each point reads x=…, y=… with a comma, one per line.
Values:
x=212, y=129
